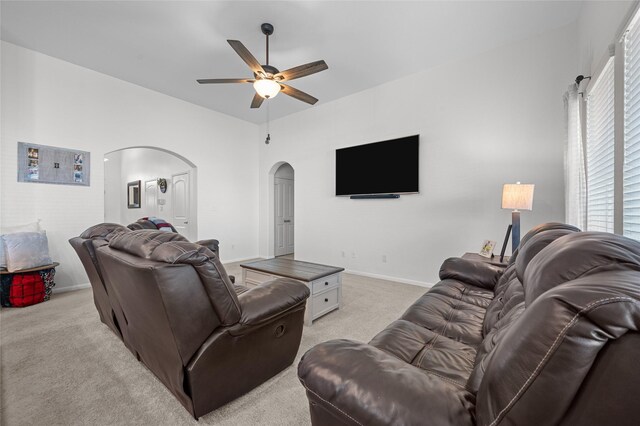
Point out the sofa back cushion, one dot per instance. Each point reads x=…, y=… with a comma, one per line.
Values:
x=508, y=302
x=104, y=231
x=175, y=249
x=572, y=311
x=549, y=226
x=532, y=243
x=576, y=256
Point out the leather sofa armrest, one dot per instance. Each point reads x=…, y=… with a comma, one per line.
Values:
x=361, y=384
x=211, y=244
x=268, y=301
x=471, y=272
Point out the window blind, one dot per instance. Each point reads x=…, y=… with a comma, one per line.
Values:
x=600, y=152
x=631, y=171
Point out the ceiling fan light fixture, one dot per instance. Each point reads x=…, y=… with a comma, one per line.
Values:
x=267, y=88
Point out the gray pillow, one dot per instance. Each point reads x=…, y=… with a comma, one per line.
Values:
x=3, y=258
x=29, y=227
x=25, y=250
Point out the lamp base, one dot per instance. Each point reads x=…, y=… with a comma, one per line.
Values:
x=515, y=230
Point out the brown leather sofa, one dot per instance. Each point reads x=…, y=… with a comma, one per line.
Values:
x=207, y=340
x=107, y=305
x=552, y=339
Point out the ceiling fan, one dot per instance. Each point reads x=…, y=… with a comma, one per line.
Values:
x=268, y=80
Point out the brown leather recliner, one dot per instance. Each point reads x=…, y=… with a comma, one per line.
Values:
x=207, y=344
x=106, y=303
x=552, y=339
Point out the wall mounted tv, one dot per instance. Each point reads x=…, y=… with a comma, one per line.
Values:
x=378, y=169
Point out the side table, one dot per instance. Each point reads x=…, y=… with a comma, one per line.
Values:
x=495, y=260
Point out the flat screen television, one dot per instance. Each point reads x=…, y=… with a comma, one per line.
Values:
x=387, y=167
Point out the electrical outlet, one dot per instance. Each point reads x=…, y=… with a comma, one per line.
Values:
x=384, y=258
x=233, y=246
x=343, y=255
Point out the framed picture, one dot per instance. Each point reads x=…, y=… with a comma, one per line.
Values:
x=133, y=194
x=487, y=248
x=51, y=164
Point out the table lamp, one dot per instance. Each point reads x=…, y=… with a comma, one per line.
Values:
x=517, y=197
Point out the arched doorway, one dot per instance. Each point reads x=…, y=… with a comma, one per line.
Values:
x=282, y=178
x=176, y=202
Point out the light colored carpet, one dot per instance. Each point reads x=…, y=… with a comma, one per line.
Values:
x=62, y=366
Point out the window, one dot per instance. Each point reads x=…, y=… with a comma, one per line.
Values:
x=631, y=170
x=600, y=152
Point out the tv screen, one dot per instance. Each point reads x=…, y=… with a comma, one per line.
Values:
x=388, y=167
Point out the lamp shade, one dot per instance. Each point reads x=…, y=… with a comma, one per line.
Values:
x=517, y=196
x=266, y=88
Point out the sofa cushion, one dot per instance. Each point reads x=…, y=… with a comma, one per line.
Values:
x=536, y=230
x=576, y=255
x=452, y=309
x=176, y=249
x=103, y=231
x=534, y=245
x=427, y=350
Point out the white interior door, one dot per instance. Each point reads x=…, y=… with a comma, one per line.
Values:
x=284, y=216
x=180, y=203
x=151, y=198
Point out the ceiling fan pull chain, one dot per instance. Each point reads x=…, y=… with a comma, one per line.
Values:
x=268, y=139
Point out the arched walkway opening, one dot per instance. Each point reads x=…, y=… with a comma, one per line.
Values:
x=166, y=187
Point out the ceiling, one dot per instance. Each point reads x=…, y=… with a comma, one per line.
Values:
x=165, y=46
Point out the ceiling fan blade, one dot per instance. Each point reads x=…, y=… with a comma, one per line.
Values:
x=246, y=56
x=298, y=94
x=225, y=80
x=302, y=70
x=257, y=101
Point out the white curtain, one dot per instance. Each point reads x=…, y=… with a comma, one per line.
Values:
x=575, y=183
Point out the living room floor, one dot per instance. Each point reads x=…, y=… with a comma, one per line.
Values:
x=61, y=365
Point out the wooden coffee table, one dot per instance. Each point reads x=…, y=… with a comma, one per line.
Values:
x=325, y=282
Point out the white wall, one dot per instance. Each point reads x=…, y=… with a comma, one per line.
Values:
x=52, y=102
x=599, y=25
x=485, y=121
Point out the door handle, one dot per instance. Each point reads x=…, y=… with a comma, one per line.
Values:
x=186, y=222
x=287, y=221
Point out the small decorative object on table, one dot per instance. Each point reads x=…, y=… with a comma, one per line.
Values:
x=487, y=248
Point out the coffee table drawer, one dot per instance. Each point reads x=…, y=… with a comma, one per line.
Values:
x=325, y=302
x=325, y=283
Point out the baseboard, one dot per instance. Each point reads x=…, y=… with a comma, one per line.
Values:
x=388, y=278
x=71, y=288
